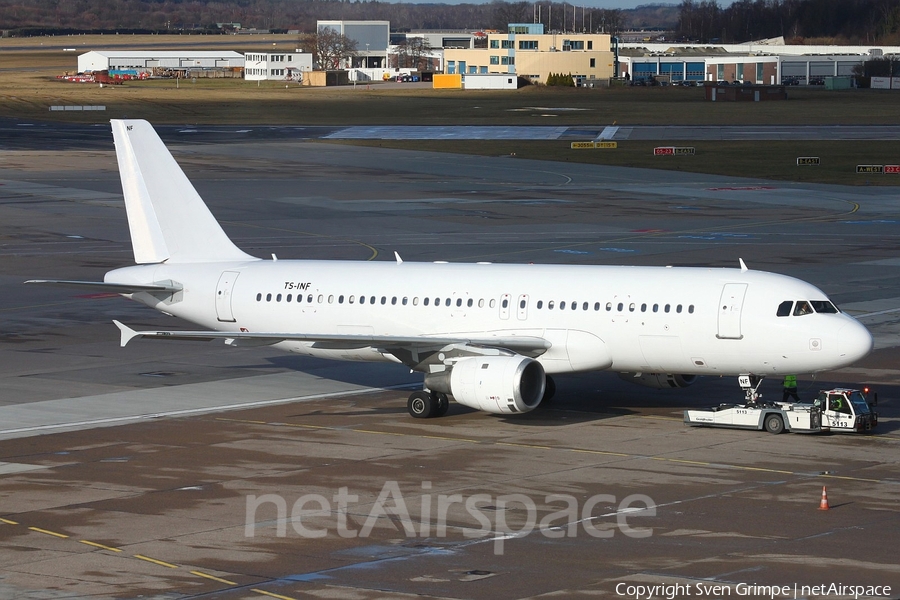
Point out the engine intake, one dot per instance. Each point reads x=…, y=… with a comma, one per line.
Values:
x=659, y=380
x=500, y=385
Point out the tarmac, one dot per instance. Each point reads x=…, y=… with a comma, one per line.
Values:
x=193, y=470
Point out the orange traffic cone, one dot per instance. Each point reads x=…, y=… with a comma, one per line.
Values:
x=823, y=503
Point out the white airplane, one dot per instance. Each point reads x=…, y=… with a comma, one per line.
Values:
x=488, y=335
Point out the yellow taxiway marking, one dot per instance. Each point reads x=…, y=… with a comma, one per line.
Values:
x=265, y=593
x=101, y=546
x=583, y=451
x=213, y=577
x=53, y=533
x=850, y=478
x=8, y=522
x=525, y=445
x=156, y=562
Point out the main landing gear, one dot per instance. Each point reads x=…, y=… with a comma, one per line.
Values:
x=425, y=404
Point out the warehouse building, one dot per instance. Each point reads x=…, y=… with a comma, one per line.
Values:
x=277, y=66
x=193, y=62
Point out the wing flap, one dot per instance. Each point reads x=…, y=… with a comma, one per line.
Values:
x=347, y=341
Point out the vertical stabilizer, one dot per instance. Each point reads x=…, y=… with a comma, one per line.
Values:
x=166, y=216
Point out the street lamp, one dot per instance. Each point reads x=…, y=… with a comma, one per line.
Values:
x=367, y=56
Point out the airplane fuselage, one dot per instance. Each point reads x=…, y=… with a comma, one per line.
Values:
x=699, y=321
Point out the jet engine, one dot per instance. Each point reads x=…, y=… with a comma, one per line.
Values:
x=659, y=380
x=500, y=385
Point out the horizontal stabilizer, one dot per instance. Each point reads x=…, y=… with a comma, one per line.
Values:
x=514, y=343
x=118, y=288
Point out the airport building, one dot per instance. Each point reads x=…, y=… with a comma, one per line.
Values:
x=372, y=40
x=277, y=66
x=196, y=62
x=770, y=62
x=528, y=52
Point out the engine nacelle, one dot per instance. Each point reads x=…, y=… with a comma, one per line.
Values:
x=500, y=385
x=659, y=380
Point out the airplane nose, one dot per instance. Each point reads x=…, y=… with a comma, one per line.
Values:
x=854, y=341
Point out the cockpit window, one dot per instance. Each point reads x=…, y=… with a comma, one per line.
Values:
x=784, y=309
x=802, y=308
x=824, y=306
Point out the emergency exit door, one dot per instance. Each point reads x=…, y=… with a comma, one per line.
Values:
x=223, y=296
x=730, y=305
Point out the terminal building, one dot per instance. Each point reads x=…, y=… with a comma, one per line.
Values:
x=529, y=53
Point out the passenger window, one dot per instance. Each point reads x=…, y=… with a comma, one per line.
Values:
x=540, y=304
x=492, y=303
x=470, y=302
x=394, y=300
x=667, y=307
x=278, y=298
x=802, y=308
x=691, y=309
x=656, y=308
x=459, y=301
x=644, y=307
x=321, y=298
x=505, y=303
x=562, y=306
x=550, y=305
x=341, y=299
x=415, y=300
x=596, y=306
x=258, y=297
x=584, y=306
x=331, y=299
x=678, y=309
x=384, y=299
x=371, y=299
x=362, y=299
x=309, y=299
x=784, y=309
x=425, y=301
x=404, y=300
x=481, y=303
x=521, y=304
x=351, y=299
x=631, y=307
x=288, y=299
x=620, y=306
x=447, y=302
x=437, y=301
x=608, y=306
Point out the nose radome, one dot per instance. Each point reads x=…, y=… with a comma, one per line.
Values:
x=855, y=342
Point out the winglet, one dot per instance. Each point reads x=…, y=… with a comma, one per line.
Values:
x=397, y=256
x=127, y=333
x=744, y=268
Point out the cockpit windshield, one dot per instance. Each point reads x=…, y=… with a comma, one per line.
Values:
x=803, y=307
x=824, y=306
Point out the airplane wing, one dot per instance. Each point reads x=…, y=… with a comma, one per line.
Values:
x=118, y=288
x=519, y=344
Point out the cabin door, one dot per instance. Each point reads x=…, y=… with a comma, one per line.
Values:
x=730, y=305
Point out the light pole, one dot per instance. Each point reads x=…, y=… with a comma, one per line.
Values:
x=367, y=56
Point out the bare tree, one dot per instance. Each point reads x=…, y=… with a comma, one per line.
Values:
x=414, y=52
x=330, y=48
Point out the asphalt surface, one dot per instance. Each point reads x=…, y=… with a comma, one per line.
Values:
x=123, y=474
x=17, y=134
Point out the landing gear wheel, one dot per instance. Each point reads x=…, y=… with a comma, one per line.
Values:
x=549, y=390
x=443, y=404
x=774, y=424
x=421, y=405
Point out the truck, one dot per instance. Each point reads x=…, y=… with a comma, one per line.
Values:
x=835, y=410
